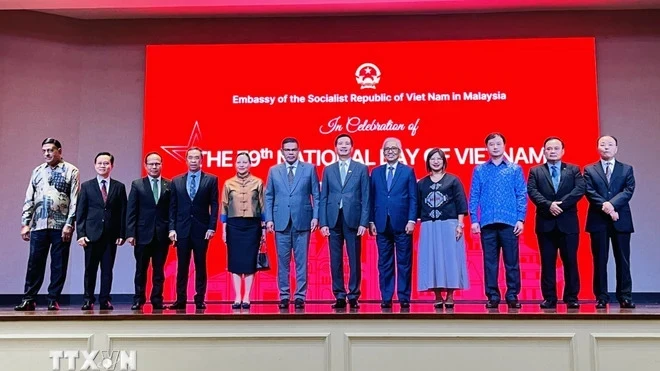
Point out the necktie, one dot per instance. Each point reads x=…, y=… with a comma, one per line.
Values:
x=555, y=177
x=154, y=189
x=104, y=191
x=608, y=172
x=193, y=186
x=342, y=172
x=290, y=175
x=390, y=175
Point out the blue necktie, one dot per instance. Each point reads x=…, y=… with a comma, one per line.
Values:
x=555, y=177
x=193, y=186
x=342, y=172
x=390, y=175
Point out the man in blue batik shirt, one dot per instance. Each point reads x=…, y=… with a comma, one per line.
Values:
x=498, y=202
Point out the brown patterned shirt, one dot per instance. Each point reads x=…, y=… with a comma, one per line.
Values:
x=51, y=197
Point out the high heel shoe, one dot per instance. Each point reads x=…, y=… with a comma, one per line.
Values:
x=236, y=305
x=438, y=304
x=245, y=305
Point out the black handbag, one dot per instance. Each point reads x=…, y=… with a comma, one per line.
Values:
x=262, y=260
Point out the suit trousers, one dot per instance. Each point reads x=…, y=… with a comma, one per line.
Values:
x=287, y=241
x=567, y=245
x=197, y=247
x=156, y=253
x=496, y=238
x=40, y=242
x=600, y=250
x=339, y=234
x=391, y=244
x=103, y=253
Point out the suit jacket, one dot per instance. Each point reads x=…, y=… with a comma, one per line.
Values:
x=618, y=192
x=95, y=218
x=146, y=220
x=542, y=193
x=298, y=202
x=353, y=195
x=400, y=202
x=192, y=218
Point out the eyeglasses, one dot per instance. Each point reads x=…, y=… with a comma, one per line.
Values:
x=391, y=149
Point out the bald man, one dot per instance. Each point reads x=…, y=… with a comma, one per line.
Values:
x=610, y=185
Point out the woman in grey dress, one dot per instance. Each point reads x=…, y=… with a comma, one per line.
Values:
x=441, y=258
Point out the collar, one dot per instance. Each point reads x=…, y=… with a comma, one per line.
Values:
x=151, y=179
x=387, y=166
x=99, y=179
x=294, y=165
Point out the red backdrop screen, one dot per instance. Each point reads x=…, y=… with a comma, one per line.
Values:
x=447, y=94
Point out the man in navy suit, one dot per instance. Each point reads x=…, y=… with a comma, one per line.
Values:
x=393, y=215
x=147, y=222
x=555, y=188
x=292, y=211
x=101, y=227
x=344, y=217
x=193, y=217
x=610, y=186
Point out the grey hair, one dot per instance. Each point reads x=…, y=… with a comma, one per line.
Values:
x=392, y=139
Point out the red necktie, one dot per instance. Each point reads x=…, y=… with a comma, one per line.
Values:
x=104, y=191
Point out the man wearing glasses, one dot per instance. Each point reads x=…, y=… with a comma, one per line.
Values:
x=393, y=214
x=292, y=211
x=49, y=214
x=147, y=221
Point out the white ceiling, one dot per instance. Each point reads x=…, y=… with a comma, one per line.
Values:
x=100, y=9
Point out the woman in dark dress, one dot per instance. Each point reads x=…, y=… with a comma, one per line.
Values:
x=441, y=258
x=243, y=229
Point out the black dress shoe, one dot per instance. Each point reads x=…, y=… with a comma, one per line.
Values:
x=404, y=304
x=299, y=303
x=245, y=305
x=236, y=305
x=353, y=303
x=627, y=304
x=178, y=305
x=107, y=306
x=200, y=305
x=514, y=304
x=158, y=306
x=26, y=306
x=386, y=304
x=490, y=304
x=137, y=306
x=548, y=304
x=339, y=304
x=601, y=304
x=573, y=304
x=53, y=305
x=87, y=305
x=284, y=304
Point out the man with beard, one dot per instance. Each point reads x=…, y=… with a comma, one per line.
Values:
x=47, y=222
x=292, y=208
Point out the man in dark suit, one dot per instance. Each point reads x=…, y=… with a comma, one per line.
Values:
x=555, y=188
x=193, y=221
x=147, y=222
x=344, y=217
x=101, y=227
x=292, y=208
x=393, y=214
x=610, y=186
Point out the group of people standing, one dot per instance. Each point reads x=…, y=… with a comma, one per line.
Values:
x=348, y=203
